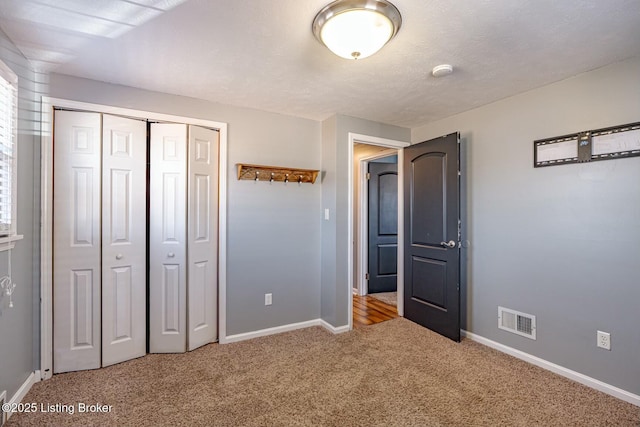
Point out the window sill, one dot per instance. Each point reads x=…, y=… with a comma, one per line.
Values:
x=8, y=242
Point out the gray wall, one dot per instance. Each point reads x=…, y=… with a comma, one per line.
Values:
x=273, y=235
x=19, y=326
x=336, y=291
x=562, y=242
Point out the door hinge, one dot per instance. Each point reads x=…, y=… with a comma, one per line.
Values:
x=368, y=175
x=459, y=173
x=366, y=276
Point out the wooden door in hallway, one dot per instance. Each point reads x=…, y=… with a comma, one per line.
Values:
x=383, y=227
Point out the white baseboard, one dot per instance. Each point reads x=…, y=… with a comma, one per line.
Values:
x=336, y=330
x=270, y=331
x=619, y=393
x=23, y=390
x=283, y=328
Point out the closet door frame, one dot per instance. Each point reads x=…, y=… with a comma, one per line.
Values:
x=46, y=197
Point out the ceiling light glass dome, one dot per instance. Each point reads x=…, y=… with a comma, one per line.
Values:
x=356, y=29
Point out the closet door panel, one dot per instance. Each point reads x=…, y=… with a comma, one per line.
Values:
x=124, y=188
x=76, y=241
x=203, y=237
x=168, y=239
x=171, y=312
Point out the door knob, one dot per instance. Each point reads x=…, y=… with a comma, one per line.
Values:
x=451, y=244
x=171, y=254
x=119, y=256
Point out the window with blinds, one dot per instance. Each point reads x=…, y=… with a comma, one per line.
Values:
x=8, y=149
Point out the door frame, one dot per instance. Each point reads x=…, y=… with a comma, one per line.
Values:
x=362, y=264
x=354, y=138
x=46, y=212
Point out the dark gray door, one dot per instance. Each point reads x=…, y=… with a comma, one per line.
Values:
x=431, y=236
x=383, y=227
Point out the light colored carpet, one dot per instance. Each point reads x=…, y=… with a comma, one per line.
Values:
x=394, y=373
x=390, y=298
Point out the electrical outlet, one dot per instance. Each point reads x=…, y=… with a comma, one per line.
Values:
x=604, y=340
x=267, y=299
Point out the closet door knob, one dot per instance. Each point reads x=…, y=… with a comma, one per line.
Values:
x=171, y=254
x=119, y=256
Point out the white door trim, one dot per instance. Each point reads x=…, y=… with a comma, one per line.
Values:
x=362, y=264
x=382, y=142
x=46, y=227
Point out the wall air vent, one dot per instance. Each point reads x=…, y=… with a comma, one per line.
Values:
x=517, y=322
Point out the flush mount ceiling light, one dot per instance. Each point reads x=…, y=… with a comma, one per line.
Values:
x=356, y=29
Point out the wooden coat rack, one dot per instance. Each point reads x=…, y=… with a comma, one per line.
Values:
x=276, y=173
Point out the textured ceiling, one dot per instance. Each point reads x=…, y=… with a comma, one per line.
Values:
x=262, y=54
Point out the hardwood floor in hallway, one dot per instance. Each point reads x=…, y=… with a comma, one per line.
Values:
x=368, y=311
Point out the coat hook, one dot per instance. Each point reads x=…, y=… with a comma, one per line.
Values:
x=257, y=173
x=271, y=180
x=286, y=177
x=300, y=179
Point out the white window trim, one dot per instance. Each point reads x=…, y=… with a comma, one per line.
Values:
x=7, y=242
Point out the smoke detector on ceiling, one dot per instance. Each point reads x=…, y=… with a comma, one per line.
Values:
x=442, y=70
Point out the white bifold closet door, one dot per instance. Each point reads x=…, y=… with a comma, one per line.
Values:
x=99, y=240
x=76, y=241
x=124, y=235
x=202, y=247
x=183, y=240
x=167, y=238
